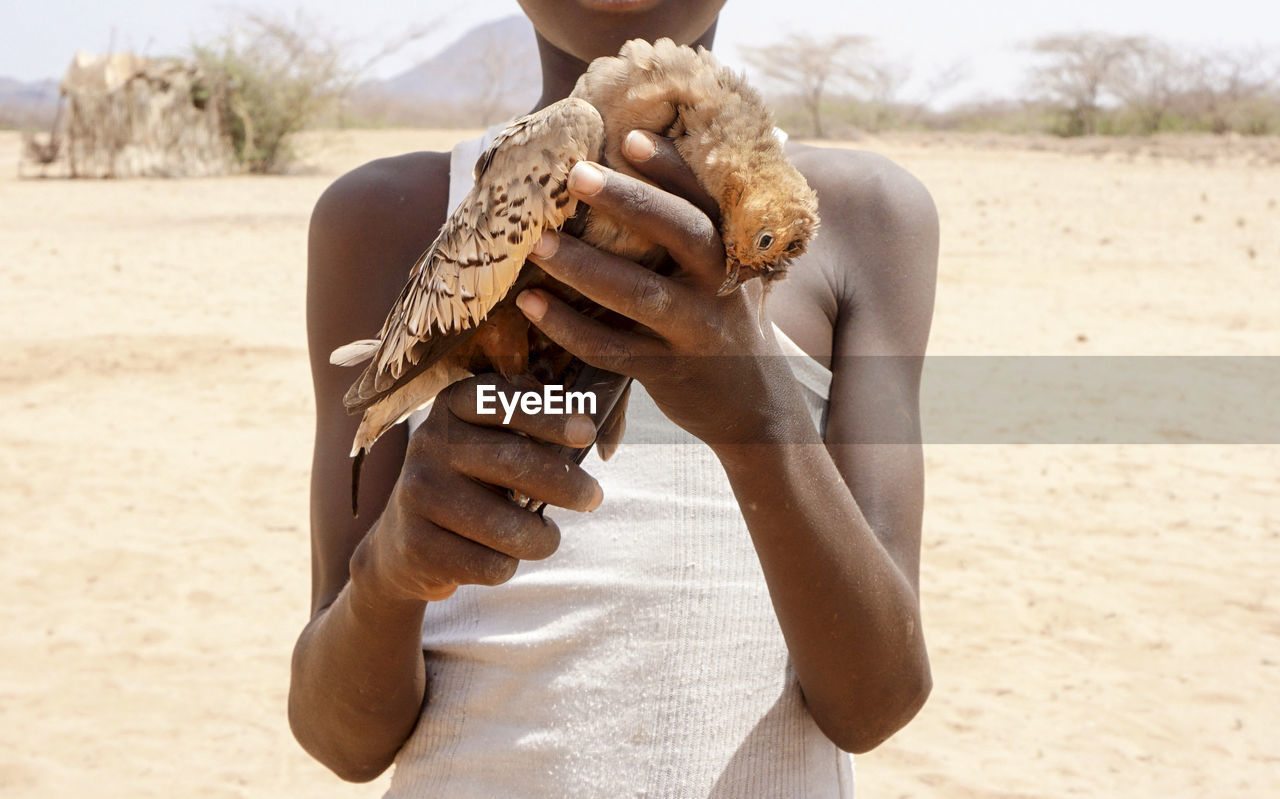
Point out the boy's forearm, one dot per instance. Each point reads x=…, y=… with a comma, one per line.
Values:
x=849, y=615
x=358, y=678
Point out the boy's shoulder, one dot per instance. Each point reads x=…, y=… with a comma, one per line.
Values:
x=367, y=230
x=865, y=184
x=385, y=196
x=877, y=216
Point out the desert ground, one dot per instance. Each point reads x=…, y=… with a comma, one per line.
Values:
x=1103, y=618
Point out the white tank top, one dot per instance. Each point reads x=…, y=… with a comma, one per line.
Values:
x=642, y=659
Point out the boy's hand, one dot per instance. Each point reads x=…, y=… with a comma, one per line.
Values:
x=703, y=358
x=449, y=522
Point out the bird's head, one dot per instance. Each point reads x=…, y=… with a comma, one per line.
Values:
x=766, y=224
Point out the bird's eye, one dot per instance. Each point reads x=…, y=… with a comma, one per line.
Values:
x=795, y=246
x=764, y=241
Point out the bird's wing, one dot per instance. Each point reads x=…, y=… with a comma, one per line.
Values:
x=520, y=190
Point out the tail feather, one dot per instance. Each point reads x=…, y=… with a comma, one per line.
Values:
x=356, y=352
x=357, y=461
x=393, y=409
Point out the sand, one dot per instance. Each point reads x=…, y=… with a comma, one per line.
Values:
x=1103, y=619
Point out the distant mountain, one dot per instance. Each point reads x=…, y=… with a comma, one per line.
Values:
x=489, y=74
x=27, y=103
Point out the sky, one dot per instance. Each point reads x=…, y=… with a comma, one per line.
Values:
x=928, y=36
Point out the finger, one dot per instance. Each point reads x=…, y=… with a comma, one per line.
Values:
x=490, y=400
x=614, y=282
x=488, y=518
x=499, y=458
x=470, y=563
x=657, y=158
x=445, y=560
x=670, y=221
x=592, y=341
x=610, y=435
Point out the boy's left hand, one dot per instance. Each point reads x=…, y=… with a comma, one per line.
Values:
x=703, y=358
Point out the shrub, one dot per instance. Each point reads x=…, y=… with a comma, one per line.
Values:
x=281, y=75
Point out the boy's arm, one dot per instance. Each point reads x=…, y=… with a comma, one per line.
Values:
x=840, y=539
x=842, y=580
x=427, y=524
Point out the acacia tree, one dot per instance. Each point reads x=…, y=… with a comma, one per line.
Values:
x=813, y=68
x=1151, y=78
x=1225, y=84
x=1076, y=69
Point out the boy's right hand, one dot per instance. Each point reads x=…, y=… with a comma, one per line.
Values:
x=449, y=521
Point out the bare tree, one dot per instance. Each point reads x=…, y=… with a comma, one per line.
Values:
x=1224, y=84
x=813, y=68
x=919, y=108
x=945, y=79
x=1076, y=70
x=886, y=78
x=1151, y=78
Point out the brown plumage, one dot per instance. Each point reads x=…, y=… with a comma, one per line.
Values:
x=456, y=315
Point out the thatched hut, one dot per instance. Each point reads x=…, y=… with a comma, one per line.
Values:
x=128, y=116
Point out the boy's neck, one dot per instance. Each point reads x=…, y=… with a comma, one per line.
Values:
x=560, y=71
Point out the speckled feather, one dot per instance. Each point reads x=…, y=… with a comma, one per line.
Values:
x=520, y=190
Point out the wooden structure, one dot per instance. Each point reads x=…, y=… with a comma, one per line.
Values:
x=128, y=116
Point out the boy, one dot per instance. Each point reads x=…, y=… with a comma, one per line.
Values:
x=739, y=604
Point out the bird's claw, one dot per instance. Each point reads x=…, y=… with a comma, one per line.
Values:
x=731, y=281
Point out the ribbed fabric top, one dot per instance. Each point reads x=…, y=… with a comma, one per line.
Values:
x=642, y=659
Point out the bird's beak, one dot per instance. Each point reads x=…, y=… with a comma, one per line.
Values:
x=731, y=281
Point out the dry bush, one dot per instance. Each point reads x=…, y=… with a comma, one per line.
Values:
x=844, y=85
x=1235, y=91
x=283, y=74
x=1075, y=73
x=1138, y=85
x=1151, y=80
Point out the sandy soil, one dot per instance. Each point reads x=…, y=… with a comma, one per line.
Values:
x=1104, y=619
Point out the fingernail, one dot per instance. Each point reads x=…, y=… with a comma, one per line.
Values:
x=639, y=146
x=580, y=431
x=532, y=305
x=585, y=179
x=596, y=499
x=547, y=245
